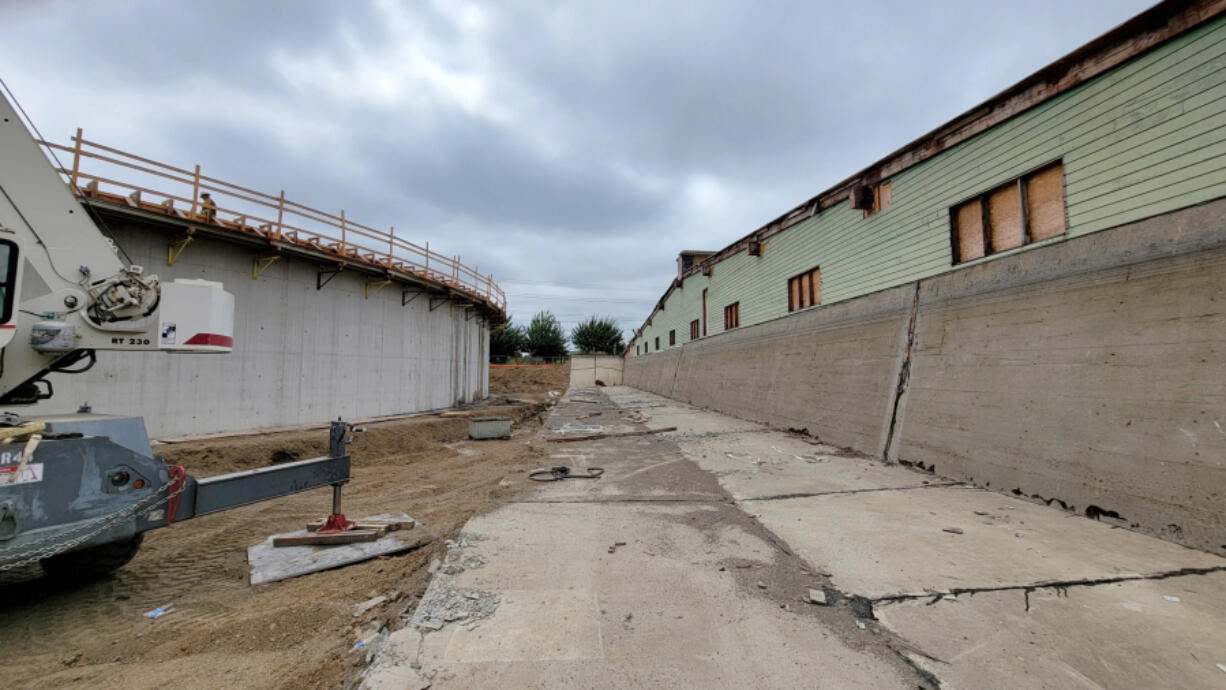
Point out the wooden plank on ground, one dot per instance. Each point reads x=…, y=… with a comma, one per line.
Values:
x=591, y=437
x=385, y=525
x=353, y=536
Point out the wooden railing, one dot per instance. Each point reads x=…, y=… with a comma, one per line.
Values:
x=101, y=172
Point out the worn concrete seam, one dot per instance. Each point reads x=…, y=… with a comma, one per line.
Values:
x=936, y=596
x=566, y=501
x=848, y=492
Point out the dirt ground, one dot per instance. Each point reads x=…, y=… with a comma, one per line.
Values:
x=290, y=634
x=528, y=378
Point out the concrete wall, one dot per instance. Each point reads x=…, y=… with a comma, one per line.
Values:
x=301, y=355
x=586, y=370
x=1143, y=139
x=830, y=369
x=1090, y=372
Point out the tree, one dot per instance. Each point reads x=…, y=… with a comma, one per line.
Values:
x=506, y=342
x=597, y=335
x=544, y=337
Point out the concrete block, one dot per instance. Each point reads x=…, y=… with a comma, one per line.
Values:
x=483, y=428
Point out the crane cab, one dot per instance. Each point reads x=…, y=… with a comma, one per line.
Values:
x=10, y=267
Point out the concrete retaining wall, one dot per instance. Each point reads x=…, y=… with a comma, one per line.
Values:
x=300, y=356
x=1091, y=373
x=586, y=370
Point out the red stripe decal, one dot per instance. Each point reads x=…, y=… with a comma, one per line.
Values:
x=11, y=325
x=211, y=339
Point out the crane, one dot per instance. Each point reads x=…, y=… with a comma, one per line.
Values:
x=77, y=492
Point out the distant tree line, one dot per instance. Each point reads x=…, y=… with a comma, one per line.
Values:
x=544, y=338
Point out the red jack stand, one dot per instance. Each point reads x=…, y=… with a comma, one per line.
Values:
x=336, y=522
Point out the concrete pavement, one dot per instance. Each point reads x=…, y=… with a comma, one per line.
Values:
x=689, y=563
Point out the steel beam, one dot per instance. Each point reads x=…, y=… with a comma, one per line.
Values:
x=252, y=486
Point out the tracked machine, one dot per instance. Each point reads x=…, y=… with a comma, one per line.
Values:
x=77, y=492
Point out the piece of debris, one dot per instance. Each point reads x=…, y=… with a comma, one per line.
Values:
x=160, y=611
x=761, y=584
x=600, y=383
x=1221, y=667
x=590, y=414
x=613, y=549
x=817, y=596
x=861, y=625
x=290, y=557
x=591, y=437
x=1017, y=534
x=504, y=483
x=359, y=609
x=1168, y=597
x=560, y=472
x=949, y=597
x=952, y=530
x=486, y=428
x=455, y=413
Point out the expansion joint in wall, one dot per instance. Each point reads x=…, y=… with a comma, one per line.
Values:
x=904, y=377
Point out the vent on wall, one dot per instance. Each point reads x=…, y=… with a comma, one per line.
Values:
x=706, y=269
x=755, y=248
x=861, y=197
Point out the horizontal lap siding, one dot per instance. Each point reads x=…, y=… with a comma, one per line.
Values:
x=1144, y=139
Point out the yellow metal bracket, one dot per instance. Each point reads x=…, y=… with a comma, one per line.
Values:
x=175, y=249
x=377, y=285
x=261, y=263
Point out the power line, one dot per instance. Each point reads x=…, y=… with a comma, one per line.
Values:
x=593, y=286
x=581, y=299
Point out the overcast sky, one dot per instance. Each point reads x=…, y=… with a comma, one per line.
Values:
x=569, y=148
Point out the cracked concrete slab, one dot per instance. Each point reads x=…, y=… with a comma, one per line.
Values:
x=753, y=466
x=890, y=543
x=889, y=539
x=683, y=570
x=663, y=609
x=689, y=420
x=1123, y=635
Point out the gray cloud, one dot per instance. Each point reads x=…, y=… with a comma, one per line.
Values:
x=574, y=147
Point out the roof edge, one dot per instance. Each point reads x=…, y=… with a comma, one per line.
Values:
x=1150, y=29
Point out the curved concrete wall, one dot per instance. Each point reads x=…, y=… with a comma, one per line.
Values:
x=300, y=356
x=1089, y=373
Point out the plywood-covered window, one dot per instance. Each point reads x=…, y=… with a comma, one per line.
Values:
x=805, y=290
x=672, y=338
x=1025, y=210
x=732, y=315
x=694, y=329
